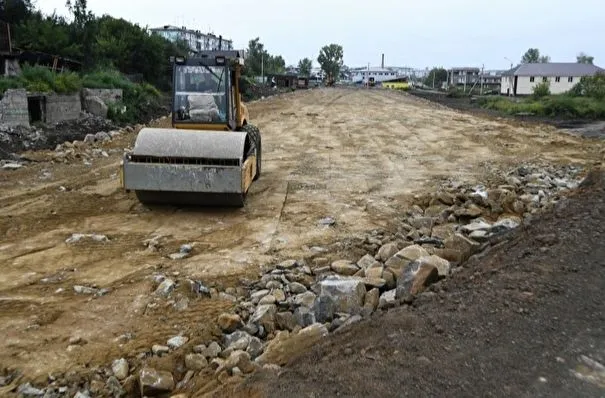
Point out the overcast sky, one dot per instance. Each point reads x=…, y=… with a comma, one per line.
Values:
x=410, y=33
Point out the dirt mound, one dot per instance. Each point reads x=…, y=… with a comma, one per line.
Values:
x=527, y=319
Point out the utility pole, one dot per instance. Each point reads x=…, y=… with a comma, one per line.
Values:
x=433, y=78
x=482, y=67
x=262, y=67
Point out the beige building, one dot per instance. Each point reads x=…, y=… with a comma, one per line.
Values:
x=561, y=76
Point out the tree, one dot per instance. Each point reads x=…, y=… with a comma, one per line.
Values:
x=331, y=60
x=584, y=58
x=532, y=56
x=304, y=67
x=260, y=61
x=15, y=11
x=436, y=75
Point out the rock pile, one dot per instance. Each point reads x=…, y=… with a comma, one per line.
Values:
x=19, y=138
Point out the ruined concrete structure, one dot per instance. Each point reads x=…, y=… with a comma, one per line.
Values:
x=13, y=108
x=18, y=108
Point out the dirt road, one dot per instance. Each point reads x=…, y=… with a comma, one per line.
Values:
x=353, y=155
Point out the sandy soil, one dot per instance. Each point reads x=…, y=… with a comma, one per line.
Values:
x=354, y=155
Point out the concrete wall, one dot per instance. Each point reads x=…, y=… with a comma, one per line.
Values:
x=13, y=108
x=62, y=107
x=106, y=95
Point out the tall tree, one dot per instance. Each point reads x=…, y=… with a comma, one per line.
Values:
x=532, y=56
x=304, y=67
x=331, y=60
x=437, y=76
x=584, y=58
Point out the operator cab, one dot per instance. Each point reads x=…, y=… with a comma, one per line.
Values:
x=202, y=90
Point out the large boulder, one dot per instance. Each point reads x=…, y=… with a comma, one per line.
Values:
x=347, y=294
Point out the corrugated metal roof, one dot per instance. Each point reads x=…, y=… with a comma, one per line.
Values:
x=555, y=69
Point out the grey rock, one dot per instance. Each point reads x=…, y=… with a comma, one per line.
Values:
x=256, y=296
x=414, y=278
x=212, y=350
x=344, y=267
x=386, y=251
x=255, y=347
x=273, y=285
x=28, y=390
x=178, y=256
x=372, y=299
x=186, y=248
x=195, y=362
x=279, y=295
x=297, y=288
x=286, y=321
x=11, y=166
x=165, y=288
x=160, y=349
x=304, y=316
x=74, y=238
x=177, y=342
x=366, y=262
x=268, y=299
x=324, y=309
x=306, y=299
x=328, y=221
x=346, y=293
x=227, y=297
x=288, y=264
x=387, y=299
x=102, y=136
x=265, y=316
x=114, y=387
x=120, y=368
x=154, y=382
x=443, y=266
x=85, y=290
x=82, y=394
x=476, y=225
x=232, y=338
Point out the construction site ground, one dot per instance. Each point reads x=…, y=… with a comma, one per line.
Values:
x=358, y=156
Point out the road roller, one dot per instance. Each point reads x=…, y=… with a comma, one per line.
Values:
x=212, y=153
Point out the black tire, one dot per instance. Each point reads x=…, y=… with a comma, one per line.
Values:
x=254, y=133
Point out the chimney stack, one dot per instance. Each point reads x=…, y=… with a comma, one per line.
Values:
x=382, y=63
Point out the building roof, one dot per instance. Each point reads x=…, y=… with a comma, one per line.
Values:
x=554, y=69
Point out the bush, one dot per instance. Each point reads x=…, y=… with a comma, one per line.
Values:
x=554, y=106
x=541, y=90
x=108, y=78
x=10, y=82
x=67, y=82
x=590, y=86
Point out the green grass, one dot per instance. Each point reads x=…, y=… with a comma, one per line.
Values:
x=552, y=105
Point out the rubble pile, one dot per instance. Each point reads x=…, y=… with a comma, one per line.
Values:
x=20, y=138
x=297, y=302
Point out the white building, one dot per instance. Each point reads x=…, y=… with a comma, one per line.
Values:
x=561, y=76
x=196, y=40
